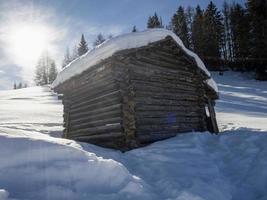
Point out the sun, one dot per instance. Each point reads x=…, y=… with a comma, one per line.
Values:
x=28, y=41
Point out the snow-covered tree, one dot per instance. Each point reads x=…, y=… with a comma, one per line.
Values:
x=198, y=32
x=154, y=21
x=213, y=30
x=99, y=40
x=52, y=73
x=67, y=58
x=45, y=70
x=179, y=25
x=19, y=85
x=134, y=29
x=83, y=47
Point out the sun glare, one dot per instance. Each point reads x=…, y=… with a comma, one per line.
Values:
x=27, y=42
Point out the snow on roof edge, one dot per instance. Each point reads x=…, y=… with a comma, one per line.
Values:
x=122, y=42
x=211, y=83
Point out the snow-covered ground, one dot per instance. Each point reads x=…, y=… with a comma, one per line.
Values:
x=34, y=164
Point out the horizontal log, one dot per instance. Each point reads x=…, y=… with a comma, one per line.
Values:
x=97, y=116
x=86, y=113
x=149, y=129
x=156, y=61
x=167, y=85
x=89, y=89
x=177, y=62
x=183, y=80
x=110, y=95
x=167, y=102
x=100, y=137
x=94, y=123
x=159, y=69
x=96, y=130
x=169, y=108
x=184, y=94
x=166, y=121
x=99, y=71
x=95, y=105
x=151, y=114
x=95, y=93
x=93, y=83
x=185, y=99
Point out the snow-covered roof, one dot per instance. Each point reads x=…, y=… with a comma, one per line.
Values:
x=122, y=42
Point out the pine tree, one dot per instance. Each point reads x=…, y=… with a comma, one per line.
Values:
x=213, y=30
x=25, y=85
x=67, y=58
x=15, y=86
x=258, y=24
x=154, y=21
x=198, y=32
x=74, y=53
x=83, y=47
x=227, y=36
x=258, y=38
x=134, y=29
x=240, y=31
x=179, y=25
x=52, y=72
x=20, y=85
x=45, y=70
x=99, y=40
x=40, y=73
x=189, y=20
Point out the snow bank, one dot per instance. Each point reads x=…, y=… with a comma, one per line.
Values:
x=33, y=109
x=39, y=169
x=126, y=41
x=192, y=166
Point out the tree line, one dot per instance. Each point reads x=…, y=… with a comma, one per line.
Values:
x=81, y=49
x=19, y=85
x=46, y=70
x=234, y=36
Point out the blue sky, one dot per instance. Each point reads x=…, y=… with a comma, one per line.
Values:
x=65, y=20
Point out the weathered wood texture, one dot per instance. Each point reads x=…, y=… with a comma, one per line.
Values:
x=136, y=97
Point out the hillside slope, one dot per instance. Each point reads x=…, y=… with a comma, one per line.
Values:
x=36, y=164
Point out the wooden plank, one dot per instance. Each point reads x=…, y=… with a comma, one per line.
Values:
x=164, y=113
x=96, y=130
x=164, y=122
x=95, y=93
x=88, y=101
x=166, y=95
x=89, y=106
x=97, y=116
x=94, y=123
x=174, y=79
x=166, y=85
x=213, y=117
x=156, y=68
x=95, y=111
x=106, y=136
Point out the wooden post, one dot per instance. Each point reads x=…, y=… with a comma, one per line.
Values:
x=213, y=117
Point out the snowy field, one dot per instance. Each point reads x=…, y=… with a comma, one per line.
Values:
x=36, y=164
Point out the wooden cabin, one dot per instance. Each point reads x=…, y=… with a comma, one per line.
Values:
x=136, y=89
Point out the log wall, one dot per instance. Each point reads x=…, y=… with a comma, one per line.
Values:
x=136, y=97
x=93, y=107
x=166, y=90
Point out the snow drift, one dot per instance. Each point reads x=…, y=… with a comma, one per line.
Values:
x=193, y=166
